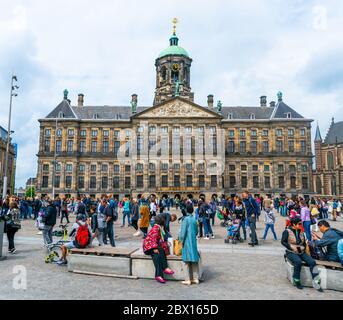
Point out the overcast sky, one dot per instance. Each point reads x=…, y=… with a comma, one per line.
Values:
x=106, y=49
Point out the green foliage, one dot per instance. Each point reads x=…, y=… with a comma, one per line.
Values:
x=30, y=192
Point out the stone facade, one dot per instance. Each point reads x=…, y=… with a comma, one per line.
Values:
x=11, y=163
x=175, y=146
x=328, y=176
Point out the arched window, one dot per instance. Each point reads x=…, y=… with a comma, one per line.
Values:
x=330, y=160
x=164, y=73
x=318, y=185
x=252, y=116
x=61, y=114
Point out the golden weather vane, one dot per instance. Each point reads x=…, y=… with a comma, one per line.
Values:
x=175, y=22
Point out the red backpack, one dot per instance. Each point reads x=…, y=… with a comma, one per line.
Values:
x=82, y=237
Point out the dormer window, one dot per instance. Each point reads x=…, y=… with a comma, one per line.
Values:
x=61, y=114
x=95, y=116
x=118, y=116
x=252, y=116
x=288, y=115
x=230, y=116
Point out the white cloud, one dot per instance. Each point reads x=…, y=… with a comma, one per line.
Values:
x=241, y=50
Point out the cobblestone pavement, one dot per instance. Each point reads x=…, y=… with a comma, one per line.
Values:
x=230, y=272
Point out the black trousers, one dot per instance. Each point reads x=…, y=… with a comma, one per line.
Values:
x=200, y=229
x=64, y=215
x=252, y=225
x=134, y=223
x=109, y=231
x=297, y=259
x=145, y=231
x=10, y=236
x=160, y=261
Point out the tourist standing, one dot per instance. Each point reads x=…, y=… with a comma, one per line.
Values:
x=144, y=222
x=111, y=217
x=12, y=225
x=49, y=220
x=126, y=211
x=190, y=254
x=135, y=217
x=305, y=215
x=269, y=220
x=252, y=211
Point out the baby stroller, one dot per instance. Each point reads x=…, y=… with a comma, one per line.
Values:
x=232, y=231
x=224, y=217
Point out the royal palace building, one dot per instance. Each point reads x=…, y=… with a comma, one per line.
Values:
x=328, y=176
x=174, y=146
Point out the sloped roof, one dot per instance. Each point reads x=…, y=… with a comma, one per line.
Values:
x=282, y=109
x=246, y=112
x=318, y=136
x=63, y=107
x=106, y=112
x=335, y=133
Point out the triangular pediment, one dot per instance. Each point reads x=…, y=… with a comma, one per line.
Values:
x=177, y=108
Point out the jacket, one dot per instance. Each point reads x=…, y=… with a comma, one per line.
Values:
x=291, y=239
x=145, y=216
x=330, y=241
x=188, y=237
x=153, y=239
x=49, y=218
x=251, y=207
x=135, y=212
x=269, y=217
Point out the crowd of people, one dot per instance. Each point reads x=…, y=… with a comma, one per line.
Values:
x=150, y=219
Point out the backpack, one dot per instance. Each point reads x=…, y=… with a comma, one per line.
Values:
x=101, y=218
x=82, y=237
x=209, y=212
x=340, y=249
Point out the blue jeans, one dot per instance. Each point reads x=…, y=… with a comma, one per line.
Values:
x=271, y=226
x=126, y=214
x=207, y=227
x=307, y=227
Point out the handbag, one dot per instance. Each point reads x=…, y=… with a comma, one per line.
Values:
x=177, y=248
x=14, y=224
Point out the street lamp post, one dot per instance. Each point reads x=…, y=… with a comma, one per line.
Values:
x=13, y=94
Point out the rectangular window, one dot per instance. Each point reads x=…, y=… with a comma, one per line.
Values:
x=164, y=145
x=152, y=166
x=267, y=182
x=231, y=147
x=189, y=166
x=189, y=181
x=81, y=182
x=253, y=133
x=116, y=134
x=304, y=181
x=104, y=167
x=213, y=129
x=201, y=167
x=244, y=167
x=127, y=148
x=242, y=147
x=255, y=182
x=104, y=183
x=242, y=133
x=47, y=133
x=115, y=182
x=201, y=181
x=265, y=133
x=45, y=181
x=177, y=181
x=164, y=181
x=304, y=167
x=69, y=167
x=139, y=144
x=265, y=145
x=290, y=146
x=266, y=168
x=93, y=168
x=127, y=168
x=176, y=166
x=152, y=129
x=255, y=167
x=58, y=166
x=47, y=145
x=176, y=144
x=293, y=182
x=279, y=132
x=281, y=182
x=152, y=144
x=290, y=132
x=152, y=181
x=94, y=133
x=253, y=146
x=164, y=166
x=244, y=181
x=83, y=133
x=82, y=168
x=231, y=133
x=106, y=133
x=139, y=167
x=279, y=146
x=214, y=183
x=82, y=146
x=68, y=182
x=232, y=167
x=105, y=147
x=57, y=181
x=140, y=129
x=280, y=168
x=94, y=146
x=188, y=145
x=45, y=167
x=302, y=132
x=188, y=129
x=58, y=146
x=139, y=182
x=292, y=168
x=303, y=146
x=116, y=147
x=127, y=182
x=70, y=146
x=201, y=130
x=127, y=133
x=92, y=182
x=232, y=182
x=164, y=130
x=116, y=168
x=70, y=132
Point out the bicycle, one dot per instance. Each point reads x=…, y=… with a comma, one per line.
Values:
x=55, y=248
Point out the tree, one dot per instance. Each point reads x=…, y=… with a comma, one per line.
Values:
x=30, y=192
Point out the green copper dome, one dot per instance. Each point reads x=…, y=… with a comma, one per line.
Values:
x=174, y=48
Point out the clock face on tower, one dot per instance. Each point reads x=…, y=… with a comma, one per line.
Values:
x=175, y=67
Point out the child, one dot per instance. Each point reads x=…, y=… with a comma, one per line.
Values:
x=269, y=219
x=232, y=231
x=239, y=213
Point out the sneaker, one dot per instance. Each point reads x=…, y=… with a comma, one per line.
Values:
x=187, y=283
x=206, y=238
x=316, y=283
x=160, y=280
x=62, y=262
x=297, y=284
x=168, y=271
x=212, y=237
x=251, y=244
x=195, y=281
x=13, y=251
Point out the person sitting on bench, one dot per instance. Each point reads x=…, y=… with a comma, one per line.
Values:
x=329, y=240
x=294, y=240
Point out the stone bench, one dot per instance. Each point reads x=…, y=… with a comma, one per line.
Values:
x=331, y=274
x=143, y=266
x=102, y=261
